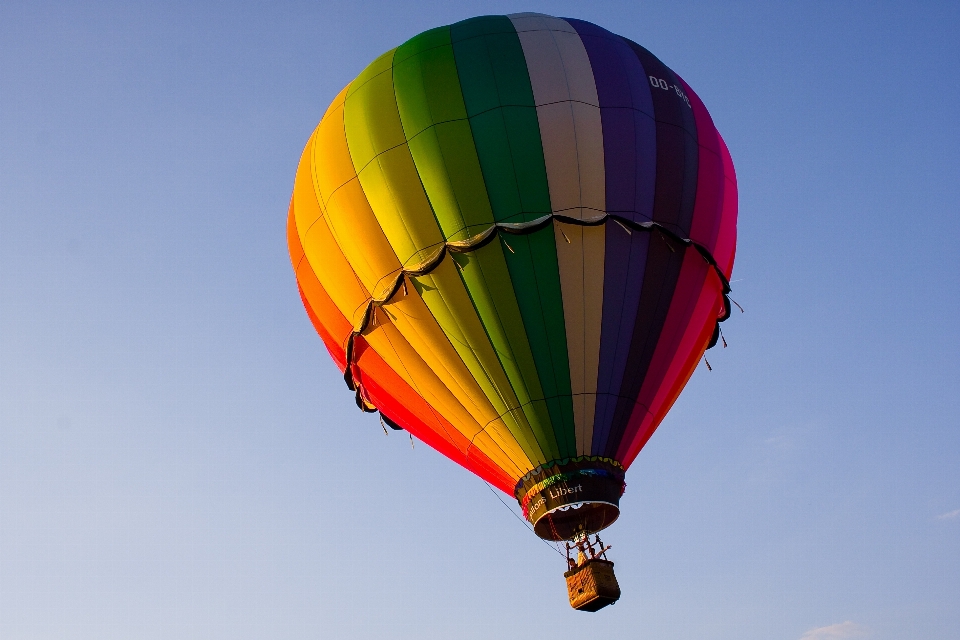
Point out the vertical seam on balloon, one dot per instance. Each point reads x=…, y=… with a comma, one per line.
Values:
x=553, y=211
x=376, y=158
x=583, y=276
x=548, y=432
x=416, y=387
x=327, y=220
x=638, y=439
x=546, y=177
x=522, y=228
x=487, y=373
x=323, y=216
x=599, y=440
x=433, y=125
x=660, y=337
x=516, y=179
x=522, y=211
x=363, y=191
x=496, y=84
x=587, y=428
x=685, y=309
x=646, y=342
x=629, y=375
x=619, y=318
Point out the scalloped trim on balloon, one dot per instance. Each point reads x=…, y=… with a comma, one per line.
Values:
x=517, y=228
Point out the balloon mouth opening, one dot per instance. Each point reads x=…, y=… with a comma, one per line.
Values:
x=563, y=499
x=565, y=523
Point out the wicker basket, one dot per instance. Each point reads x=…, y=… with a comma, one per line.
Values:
x=592, y=585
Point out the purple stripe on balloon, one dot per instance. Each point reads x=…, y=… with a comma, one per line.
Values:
x=629, y=156
x=629, y=130
x=621, y=298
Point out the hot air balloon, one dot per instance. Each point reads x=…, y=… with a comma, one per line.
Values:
x=514, y=235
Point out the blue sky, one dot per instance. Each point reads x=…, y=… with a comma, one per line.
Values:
x=180, y=459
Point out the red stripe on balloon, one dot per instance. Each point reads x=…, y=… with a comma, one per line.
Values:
x=693, y=274
x=685, y=361
x=402, y=403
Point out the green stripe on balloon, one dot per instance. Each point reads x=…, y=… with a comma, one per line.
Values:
x=440, y=139
x=391, y=183
x=499, y=102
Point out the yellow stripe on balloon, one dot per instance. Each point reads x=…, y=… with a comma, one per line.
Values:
x=433, y=367
x=392, y=186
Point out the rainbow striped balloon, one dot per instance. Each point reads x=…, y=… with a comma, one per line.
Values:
x=514, y=235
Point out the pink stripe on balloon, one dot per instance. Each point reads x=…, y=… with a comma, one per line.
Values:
x=693, y=274
x=685, y=361
x=726, y=247
x=710, y=173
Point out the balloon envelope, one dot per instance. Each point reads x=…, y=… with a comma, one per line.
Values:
x=514, y=235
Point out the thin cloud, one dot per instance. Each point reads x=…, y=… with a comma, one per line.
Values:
x=837, y=631
x=949, y=515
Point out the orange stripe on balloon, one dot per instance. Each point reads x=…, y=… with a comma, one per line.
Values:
x=338, y=354
x=376, y=376
x=405, y=407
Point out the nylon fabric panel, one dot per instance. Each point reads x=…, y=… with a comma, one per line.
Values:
x=489, y=284
x=568, y=111
x=298, y=260
x=387, y=341
x=499, y=103
x=351, y=220
x=328, y=328
x=537, y=284
x=406, y=404
x=726, y=248
x=503, y=117
x=582, y=267
x=394, y=349
x=629, y=147
x=445, y=296
x=629, y=130
x=363, y=243
x=366, y=143
x=424, y=355
x=396, y=195
x=670, y=351
x=673, y=206
x=320, y=249
x=684, y=364
x=683, y=304
x=686, y=332
x=435, y=123
x=330, y=170
x=492, y=438
x=571, y=132
x=625, y=256
x=708, y=209
x=677, y=146
x=336, y=353
x=378, y=148
x=660, y=275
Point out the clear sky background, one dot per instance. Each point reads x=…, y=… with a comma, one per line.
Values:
x=180, y=459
